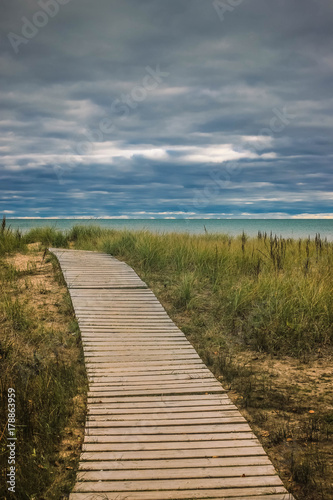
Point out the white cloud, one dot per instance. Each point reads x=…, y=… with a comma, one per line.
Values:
x=313, y=216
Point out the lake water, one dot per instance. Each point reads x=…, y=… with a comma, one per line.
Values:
x=288, y=228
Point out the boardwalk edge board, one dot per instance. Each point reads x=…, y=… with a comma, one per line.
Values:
x=159, y=425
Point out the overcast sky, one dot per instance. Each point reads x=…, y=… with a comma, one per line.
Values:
x=166, y=108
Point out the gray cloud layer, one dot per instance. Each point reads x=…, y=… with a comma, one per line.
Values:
x=121, y=107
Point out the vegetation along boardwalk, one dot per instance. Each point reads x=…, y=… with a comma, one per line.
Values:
x=159, y=425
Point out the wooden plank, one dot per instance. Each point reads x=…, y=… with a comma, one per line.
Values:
x=141, y=355
x=108, y=390
x=120, y=368
x=169, y=400
x=144, y=319
x=118, y=311
x=155, y=316
x=159, y=406
x=127, y=324
x=138, y=350
x=195, y=384
x=153, y=371
x=168, y=328
x=114, y=286
x=181, y=358
x=181, y=484
x=118, y=308
x=157, y=377
x=194, y=371
x=196, y=412
x=121, y=372
x=265, y=493
x=128, y=342
x=156, y=391
x=125, y=332
x=150, y=330
x=104, y=297
x=139, y=330
x=176, y=473
x=93, y=372
x=142, y=343
x=94, y=414
x=143, y=364
x=169, y=429
x=101, y=421
x=148, y=381
x=170, y=450
x=108, y=302
x=127, y=336
x=235, y=461
x=114, y=306
x=172, y=441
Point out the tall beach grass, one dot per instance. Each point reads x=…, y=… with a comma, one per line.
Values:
x=270, y=293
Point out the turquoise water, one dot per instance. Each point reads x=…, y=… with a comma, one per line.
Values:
x=288, y=228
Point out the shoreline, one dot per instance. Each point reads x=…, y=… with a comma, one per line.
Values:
x=287, y=228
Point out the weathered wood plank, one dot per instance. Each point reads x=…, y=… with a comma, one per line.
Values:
x=176, y=473
x=126, y=356
x=106, y=350
x=132, y=413
x=169, y=400
x=102, y=421
x=195, y=370
x=144, y=365
x=181, y=484
x=179, y=384
x=176, y=463
x=169, y=429
x=156, y=391
x=145, y=378
x=265, y=493
x=159, y=406
x=100, y=385
x=171, y=450
x=123, y=417
x=166, y=441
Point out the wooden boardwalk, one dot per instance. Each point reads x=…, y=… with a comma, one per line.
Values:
x=159, y=425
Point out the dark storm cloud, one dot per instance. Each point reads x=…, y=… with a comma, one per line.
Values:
x=126, y=107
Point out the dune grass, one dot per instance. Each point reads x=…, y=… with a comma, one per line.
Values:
x=270, y=293
x=10, y=240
